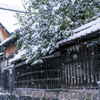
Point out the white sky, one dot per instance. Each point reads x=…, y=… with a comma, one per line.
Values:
x=11, y=2
x=7, y=17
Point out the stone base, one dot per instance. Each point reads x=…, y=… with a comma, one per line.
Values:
x=58, y=95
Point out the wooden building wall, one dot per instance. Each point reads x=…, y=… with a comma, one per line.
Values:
x=3, y=34
x=10, y=50
x=1, y=59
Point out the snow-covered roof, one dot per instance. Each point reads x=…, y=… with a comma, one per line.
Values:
x=11, y=7
x=6, y=41
x=84, y=30
x=17, y=56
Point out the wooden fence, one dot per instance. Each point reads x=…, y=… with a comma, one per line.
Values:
x=47, y=75
x=83, y=67
x=77, y=68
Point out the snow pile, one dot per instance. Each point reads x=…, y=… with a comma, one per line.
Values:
x=84, y=30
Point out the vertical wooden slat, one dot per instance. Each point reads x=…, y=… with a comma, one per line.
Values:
x=82, y=69
x=66, y=70
x=80, y=65
x=72, y=70
x=74, y=75
x=78, y=70
x=89, y=67
x=58, y=76
x=55, y=71
x=85, y=68
x=71, y=81
x=88, y=81
x=58, y=73
x=97, y=56
x=61, y=73
x=96, y=65
x=92, y=67
x=63, y=69
x=50, y=82
x=69, y=71
x=99, y=60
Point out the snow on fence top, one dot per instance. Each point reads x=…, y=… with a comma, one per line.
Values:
x=84, y=30
x=17, y=56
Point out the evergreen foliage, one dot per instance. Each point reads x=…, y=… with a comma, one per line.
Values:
x=46, y=22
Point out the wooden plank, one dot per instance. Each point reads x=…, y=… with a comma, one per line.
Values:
x=72, y=70
x=97, y=55
x=78, y=69
x=69, y=80
x=56, y=64
x=66, y=70
x=63, y=69
x=93, y=68
x=82, y=70
x=96, y=66
x=85, y=68
x=89, y=67
x=99, y=60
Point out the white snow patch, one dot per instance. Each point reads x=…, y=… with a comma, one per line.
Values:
x=98, y=82
x=73, y=1
x=1, y=53
x=36, y=61
x=45, y=7
x=56, y=28
x=55, y=8
x=35, y=25
x=1, y=93
x=34, y=48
